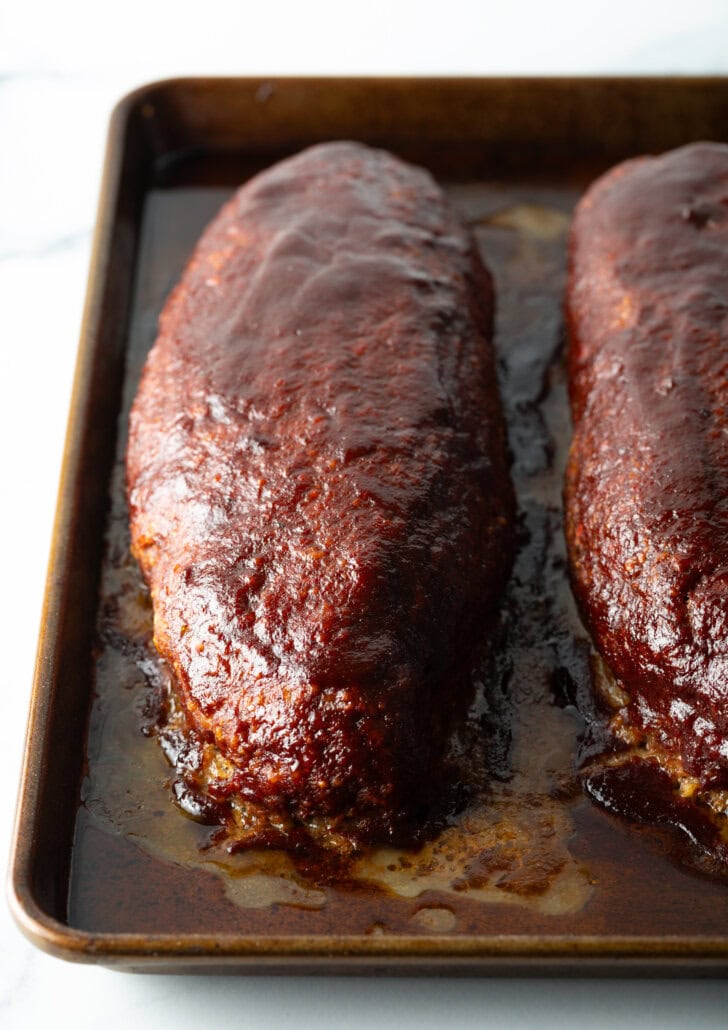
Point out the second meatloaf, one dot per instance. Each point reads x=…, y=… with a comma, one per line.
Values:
x=318, y=485
x=647, y=482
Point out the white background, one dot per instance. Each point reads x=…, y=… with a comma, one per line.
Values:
x=62, y=67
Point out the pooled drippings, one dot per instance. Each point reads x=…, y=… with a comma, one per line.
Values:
x=505, y=836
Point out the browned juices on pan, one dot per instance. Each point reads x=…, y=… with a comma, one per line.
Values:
x=647, y=480
x=318, y=486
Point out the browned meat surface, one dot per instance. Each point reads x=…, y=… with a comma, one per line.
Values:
x=647, y=481
x=318, y=485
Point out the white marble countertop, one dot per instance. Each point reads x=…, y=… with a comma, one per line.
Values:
x=62, y=67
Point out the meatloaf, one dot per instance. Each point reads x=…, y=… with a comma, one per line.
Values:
x=319, y=489
x=647, y=480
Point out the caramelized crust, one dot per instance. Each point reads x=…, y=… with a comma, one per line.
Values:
x=647, y=480
x=318, y=484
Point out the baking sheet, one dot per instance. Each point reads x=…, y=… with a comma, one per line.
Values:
x=533, y=872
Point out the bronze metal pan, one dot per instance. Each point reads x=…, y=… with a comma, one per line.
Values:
x=515, y=153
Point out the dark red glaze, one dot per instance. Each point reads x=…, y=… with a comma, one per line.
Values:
x=318, y=484
x=647, y=479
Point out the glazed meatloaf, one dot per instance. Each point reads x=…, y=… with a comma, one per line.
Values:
x=319, y=489
x=647, y=479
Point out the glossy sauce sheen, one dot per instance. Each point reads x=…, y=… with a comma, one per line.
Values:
x=318, y=485
x=647, y=478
